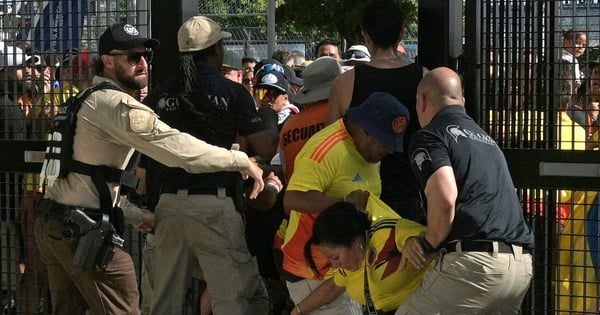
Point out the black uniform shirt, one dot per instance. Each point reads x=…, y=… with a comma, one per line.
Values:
x=487, y=207
x=234, y=113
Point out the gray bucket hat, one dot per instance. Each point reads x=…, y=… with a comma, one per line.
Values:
x=318, y=78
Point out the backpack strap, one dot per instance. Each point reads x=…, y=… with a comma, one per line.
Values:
x=101, y=175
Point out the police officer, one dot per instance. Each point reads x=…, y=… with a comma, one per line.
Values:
x=474, y=218
x=197, y=223
x=110, y=124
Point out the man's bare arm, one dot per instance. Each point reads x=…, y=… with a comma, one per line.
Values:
x=308, y=201
x=340, y=96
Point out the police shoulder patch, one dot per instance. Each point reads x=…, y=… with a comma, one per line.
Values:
x=141, y=120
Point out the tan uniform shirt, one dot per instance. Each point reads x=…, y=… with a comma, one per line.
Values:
x=111, y=124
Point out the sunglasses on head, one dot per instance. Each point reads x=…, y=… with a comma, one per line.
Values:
x=134, y=58
x=271, y=68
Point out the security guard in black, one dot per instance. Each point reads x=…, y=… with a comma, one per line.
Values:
x=483, y=179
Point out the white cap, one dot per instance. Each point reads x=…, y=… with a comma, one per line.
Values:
x=357, y=53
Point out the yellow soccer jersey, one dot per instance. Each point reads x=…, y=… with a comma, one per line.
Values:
x=328, y=163
x=388, y=286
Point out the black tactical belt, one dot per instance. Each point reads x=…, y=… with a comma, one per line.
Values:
x=52, y=209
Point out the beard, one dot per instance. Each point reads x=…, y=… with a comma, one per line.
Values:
x=131, y=81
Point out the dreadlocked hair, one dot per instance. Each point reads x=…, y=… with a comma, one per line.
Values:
x=201, y=117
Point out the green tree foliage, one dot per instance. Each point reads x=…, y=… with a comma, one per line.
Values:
x=331, y=18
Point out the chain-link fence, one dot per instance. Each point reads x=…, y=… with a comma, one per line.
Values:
x=248, y=24
x=40, y=41
x=521, y=46
x=539, y=87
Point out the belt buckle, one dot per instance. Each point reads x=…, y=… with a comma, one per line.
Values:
x=221, y=193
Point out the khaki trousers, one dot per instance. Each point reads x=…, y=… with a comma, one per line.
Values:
x=473, y=283
x=205, y=232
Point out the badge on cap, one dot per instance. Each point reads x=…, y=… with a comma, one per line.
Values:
x=131, y=30
x=399, y=124
x=269, y=78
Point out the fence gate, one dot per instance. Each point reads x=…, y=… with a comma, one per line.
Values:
x=41, y=33
x=517, y=87
x=514, y=85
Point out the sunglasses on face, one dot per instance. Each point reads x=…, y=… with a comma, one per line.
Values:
x=271, y=68
x=134, y=58
x=262, y=93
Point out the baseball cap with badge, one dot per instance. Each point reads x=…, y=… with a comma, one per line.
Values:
x=123, y=36
x=383, y=117
x=198, y=33
x=272, y=80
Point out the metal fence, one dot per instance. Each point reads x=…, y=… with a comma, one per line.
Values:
x=44, y=33
x=526, y=108
x=248, y=24
x=517, y=62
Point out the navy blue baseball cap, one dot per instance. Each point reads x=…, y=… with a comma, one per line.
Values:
x=379, y=115
x=123, y=36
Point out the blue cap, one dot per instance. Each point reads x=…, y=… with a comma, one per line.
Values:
x=378, y=116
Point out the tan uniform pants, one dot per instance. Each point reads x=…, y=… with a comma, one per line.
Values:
x=207, y=232
x=473, y=283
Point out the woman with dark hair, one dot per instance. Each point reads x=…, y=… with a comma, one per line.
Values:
x=352, y=239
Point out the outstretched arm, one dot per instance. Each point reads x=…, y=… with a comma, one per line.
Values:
x=315, y=201
x=255, y=172
x=323, y=294
x=308, y=201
